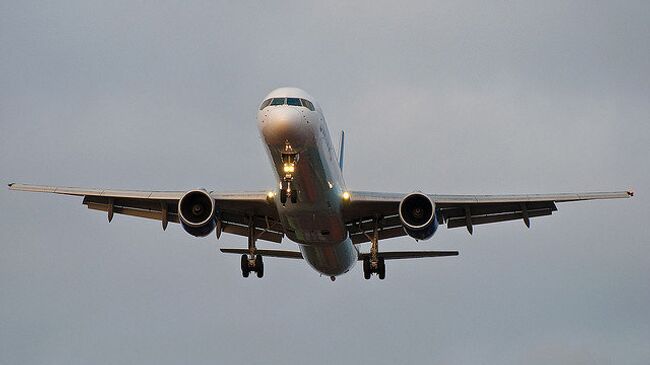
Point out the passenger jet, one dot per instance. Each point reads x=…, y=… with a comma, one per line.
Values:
x=312, y=206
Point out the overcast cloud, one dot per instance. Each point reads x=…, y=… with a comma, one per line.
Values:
x=453, y=97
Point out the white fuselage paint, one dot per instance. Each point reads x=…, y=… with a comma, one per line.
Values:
x=315, y=222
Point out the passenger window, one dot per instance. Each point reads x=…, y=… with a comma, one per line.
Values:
x=307, y=104
x=265, y=103
x=278, y=101
x=293, y=101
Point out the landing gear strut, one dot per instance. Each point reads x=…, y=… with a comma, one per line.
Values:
x=374, y=263
x=252, y=261
x=289, y=160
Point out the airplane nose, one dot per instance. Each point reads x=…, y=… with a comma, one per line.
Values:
x=285, y=119
x=285, y=124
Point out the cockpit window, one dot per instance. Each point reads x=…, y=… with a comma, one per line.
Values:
x=265, y=103
x=293, y=101
x=278, y=101
x=288, y=101
x=307, y=104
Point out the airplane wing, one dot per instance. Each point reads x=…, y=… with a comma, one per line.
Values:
x=234, y=209
x=455, y=210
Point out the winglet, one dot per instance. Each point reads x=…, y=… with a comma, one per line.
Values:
x=341, y=150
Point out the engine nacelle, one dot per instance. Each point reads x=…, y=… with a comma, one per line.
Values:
x=196, y=210
x=418, y=215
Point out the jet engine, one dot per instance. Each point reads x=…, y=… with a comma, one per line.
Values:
x=418, y=215
x=196, y=210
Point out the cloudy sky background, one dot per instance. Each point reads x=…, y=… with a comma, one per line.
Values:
x=453, y=97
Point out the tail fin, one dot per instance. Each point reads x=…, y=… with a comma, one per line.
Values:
x=342, y=150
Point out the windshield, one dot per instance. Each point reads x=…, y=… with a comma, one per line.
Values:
x=288, y=101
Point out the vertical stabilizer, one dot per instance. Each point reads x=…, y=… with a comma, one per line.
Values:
x=341, y=150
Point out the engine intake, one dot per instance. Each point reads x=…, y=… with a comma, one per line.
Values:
x=418, y=215
x=196, y=211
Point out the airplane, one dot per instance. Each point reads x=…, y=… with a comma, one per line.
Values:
x=311, y=204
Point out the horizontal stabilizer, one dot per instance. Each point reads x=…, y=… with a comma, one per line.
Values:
x=266, y=253
x=397, y=255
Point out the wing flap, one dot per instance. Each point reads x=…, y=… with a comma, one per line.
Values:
x=134, y=212
x=362, y=230
x=260, y=234
x=494, y=218
x=384, y=234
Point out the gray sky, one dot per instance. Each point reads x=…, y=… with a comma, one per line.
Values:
x=457, y=97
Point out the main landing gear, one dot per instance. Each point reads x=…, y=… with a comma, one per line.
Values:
x=374, y=263
x=377, y=267
x=289, y=161
x=255, y=264
x=252, y=261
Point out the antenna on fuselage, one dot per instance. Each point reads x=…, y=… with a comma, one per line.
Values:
x=341, y=150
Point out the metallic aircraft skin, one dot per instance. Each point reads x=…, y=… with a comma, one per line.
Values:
x=315, y=222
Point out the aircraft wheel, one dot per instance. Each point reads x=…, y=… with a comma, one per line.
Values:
x=294, y=197
x=245, y=270
x=259, y=266
x=283, y=196
x=367, y=271
x=381, y=269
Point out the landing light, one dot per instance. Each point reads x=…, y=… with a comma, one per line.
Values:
x=346, y=195
x=289, y=168
x=270, y=195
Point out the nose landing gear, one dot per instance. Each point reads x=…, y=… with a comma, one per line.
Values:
x=289, y=160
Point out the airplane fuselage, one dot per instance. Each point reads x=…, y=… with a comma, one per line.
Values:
x=313, y=219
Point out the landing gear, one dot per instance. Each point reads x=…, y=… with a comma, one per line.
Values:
x=367, y=270
x=287, y=192
x=283, y=195
x=381, y=269
x=289, y=161
x=373, y=263
x=245, y=270
x=248, y=265
x=252, y=261
x=259, y=266
x=370, y=268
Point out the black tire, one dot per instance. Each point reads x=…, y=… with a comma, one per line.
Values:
x=244, y=266
x=283, y=196
x=366, y=269
x=294, y=197
x=381, y=269
x=259, y=266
